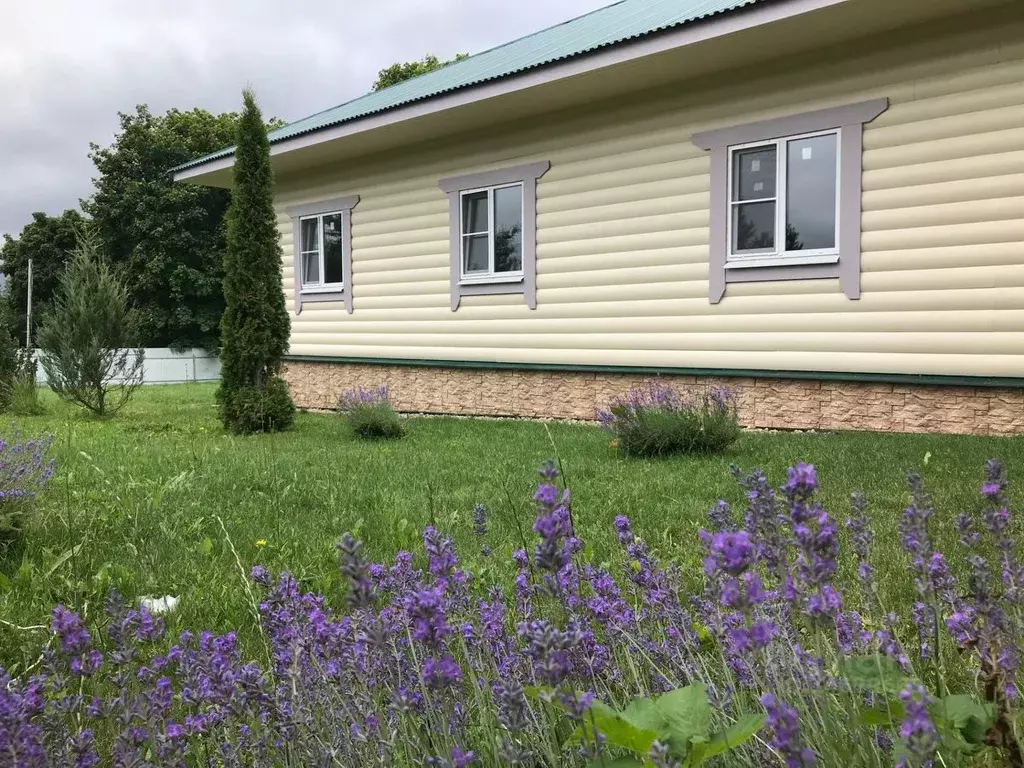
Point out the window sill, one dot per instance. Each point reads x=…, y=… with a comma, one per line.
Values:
x=333, y=288
x=754, y=262
x=491, y=280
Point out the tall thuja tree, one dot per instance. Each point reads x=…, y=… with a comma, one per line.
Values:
x=254, y=330
x=88, y=337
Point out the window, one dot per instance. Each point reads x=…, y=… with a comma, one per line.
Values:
x=493, y=232
x=321, y=249
x=786, y=198
x=322, y=237
x=785, y=209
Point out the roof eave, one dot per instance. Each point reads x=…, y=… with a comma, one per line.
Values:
x=720, y=25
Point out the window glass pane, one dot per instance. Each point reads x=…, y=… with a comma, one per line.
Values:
x=811, y=193
x=474, y=253
x=309, y=241
x=332, y=249
x=474, y=212
x=753, y=227
x=753, y=173
x=508, y=229
x=310, y=268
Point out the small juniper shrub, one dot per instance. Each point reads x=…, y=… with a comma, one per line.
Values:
x=656, y=420
x=369, y=413
x=761, y=659
x=25, y=468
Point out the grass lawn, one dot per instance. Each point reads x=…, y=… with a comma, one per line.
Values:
x=138, y=502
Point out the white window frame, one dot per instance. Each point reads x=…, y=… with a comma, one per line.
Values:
x=490, y=276
x=320, y=286
x=764, y=258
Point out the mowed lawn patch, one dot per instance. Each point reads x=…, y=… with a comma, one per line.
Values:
x=152, y=501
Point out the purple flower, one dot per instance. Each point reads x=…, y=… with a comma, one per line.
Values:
x=75, y=642
x=730, y=552
x=441, y=673
x=784, y=731
x=917, y=729
x=363, y=396
x=440, y=552
x=430, y=626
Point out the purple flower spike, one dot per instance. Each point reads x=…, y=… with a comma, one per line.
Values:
x=785, y=733
x=917, y=729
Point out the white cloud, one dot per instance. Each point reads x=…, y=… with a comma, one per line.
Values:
x=67, y=67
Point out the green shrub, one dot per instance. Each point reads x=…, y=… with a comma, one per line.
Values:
x=658, y=421
x=265, y=408
x=370, y=414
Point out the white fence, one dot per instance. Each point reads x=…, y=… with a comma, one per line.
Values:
x=163, y=366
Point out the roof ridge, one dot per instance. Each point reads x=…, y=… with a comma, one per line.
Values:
x=609, y=25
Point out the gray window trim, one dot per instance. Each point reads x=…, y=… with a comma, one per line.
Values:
x=850, y=119
x=344, y=206
x=526, y=175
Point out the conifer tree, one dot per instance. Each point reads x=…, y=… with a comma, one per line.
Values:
x=87, y=337
x=255, y=326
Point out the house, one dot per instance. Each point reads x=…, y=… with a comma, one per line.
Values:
x=817, y=202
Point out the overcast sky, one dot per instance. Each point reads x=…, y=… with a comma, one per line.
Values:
x=68, y=66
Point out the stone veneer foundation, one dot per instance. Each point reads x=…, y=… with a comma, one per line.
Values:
x=771, y=403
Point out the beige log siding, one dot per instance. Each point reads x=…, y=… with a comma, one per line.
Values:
x=622, y=274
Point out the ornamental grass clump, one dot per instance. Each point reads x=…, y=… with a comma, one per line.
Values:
x=762, y=658
x=369, y=413
x=656, y=420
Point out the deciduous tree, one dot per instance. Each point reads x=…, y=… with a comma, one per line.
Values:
x=400, y=71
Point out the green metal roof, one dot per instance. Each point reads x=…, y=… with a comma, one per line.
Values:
x=617, y=23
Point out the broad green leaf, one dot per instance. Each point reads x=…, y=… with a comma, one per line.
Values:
x=687, y=717
x=737, y=733
x=617, y=730
x=644, y=713
x=970, y=717
x=878, y=674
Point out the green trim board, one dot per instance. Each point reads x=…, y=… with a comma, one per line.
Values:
x=941, y=380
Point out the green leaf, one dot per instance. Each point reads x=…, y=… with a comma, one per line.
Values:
x=878, y=674
x=687, y=717
x=67, y=555
x=644, y=713
x=617, y=730
x=206, y=545
x=737, y=733
x=971, y=718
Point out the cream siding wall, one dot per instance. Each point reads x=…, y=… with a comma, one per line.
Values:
x=623, y=232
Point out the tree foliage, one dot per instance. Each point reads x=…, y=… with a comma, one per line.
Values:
x=401, y=71
x=87, y=338
x=48, y=241
x=9, y=363
x=165, y=240
x=255, y=325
